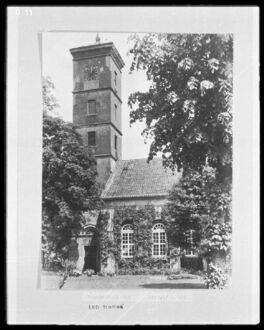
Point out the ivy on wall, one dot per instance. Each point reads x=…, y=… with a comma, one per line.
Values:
x=142, y=220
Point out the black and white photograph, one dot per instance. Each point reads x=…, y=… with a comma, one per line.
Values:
x=118, y=218
x=135, y=194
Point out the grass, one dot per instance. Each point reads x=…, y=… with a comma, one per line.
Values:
x=52, y=282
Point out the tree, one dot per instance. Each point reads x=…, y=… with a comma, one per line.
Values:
x=49, y=100
x=198, y=204
x=187, y=209
x=188, y=114
x=187, y=109
x=69, y=183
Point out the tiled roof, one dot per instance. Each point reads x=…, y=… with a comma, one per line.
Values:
x=137, y=178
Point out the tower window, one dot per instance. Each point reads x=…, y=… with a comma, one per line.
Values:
x=115, y=111
x=91, y=108
x=91, y=139
x=115, y=142
x=115, y=78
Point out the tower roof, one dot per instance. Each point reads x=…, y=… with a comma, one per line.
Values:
x=97, y=50
x=136, y=178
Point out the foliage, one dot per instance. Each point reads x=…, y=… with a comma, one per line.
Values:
x=75, y=273
x=49, y=100
x=175, y=252
x=142, y=219
x=69, y=186
x=186, y=207
x=110, y=274
x=106, y=244
x=182, y=276
x=217, y=238
x=200, y=203
x=215, y=278
x=188, y=114
x=89, y=272
x=69, y=269
x=187, y=109
x=164, y=270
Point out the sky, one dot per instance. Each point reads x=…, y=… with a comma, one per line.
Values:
x=57, y=63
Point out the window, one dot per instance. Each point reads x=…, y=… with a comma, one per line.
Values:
x=115, y=111
x=115, y=78
x=157, y=212
x=115, y=142
x=91, y=108
x=190, y=250
x=127, y=241
x=159, y=240
x=91, y=139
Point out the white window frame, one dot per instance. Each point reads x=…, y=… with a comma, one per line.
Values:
x=159, y=241
x=127, y=241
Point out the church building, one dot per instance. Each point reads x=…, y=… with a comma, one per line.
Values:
x=130, y=234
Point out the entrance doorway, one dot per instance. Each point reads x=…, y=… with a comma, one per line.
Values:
x=90, y=259
x=91, y=249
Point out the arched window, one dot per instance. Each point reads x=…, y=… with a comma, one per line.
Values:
x=159, y=240
x=127, y=241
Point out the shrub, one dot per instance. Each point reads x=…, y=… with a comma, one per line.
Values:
x=215, y=277
x=155, y=271
x=75, y=272
x=111, y=274
x=68, y=266
x=178, y=276
x=69, y=269
x=124, y=271
x=89, y=272
x=51, y=260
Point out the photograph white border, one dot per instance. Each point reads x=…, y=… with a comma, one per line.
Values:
x=27, y=303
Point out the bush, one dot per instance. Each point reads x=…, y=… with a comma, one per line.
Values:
x=51, y=261
x=75, y=272
x=89, y=272
x=141, y=271
x=69, y=269
x=68, y=266
x=110, y=274
x=178, y=276
x=145, y=271
x=215, y=277
x=155, y=271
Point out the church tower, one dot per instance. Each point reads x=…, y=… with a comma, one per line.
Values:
x=97, y=102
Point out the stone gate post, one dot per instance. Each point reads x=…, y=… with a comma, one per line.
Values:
x=111, y=265
x=81, y=251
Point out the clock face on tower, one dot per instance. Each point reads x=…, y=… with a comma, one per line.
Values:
x=91, y=73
